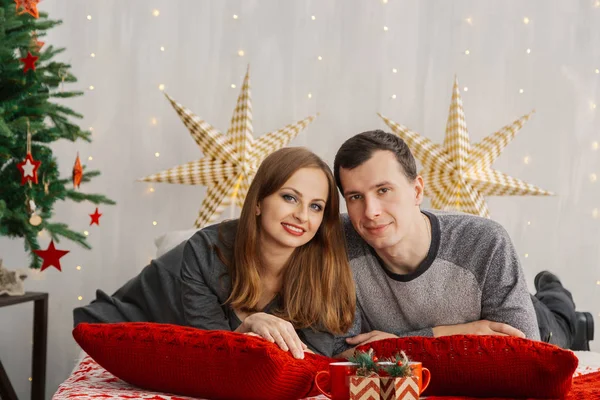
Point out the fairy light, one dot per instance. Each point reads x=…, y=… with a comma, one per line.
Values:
x=467, y=52
x=521, y=91
x=528, y=51
x=151, y=189
x=155, y=12
x=385, y=28
x=30, y=379
x=526, y=160
x=89, y=17
x=233, y=85
x=526, y=255
x=597, y=4
x=90, y=158
x=466, y=89
x=310, y=95
x=162, y=48
x=320, y=58
x=313, y=17
x=154, y=223
x=161, y=87
x=469, y=21
x=528, y=222
x=235, y=16
x=157, y=154
x=93, y=55
x=241, y=53
x=384, y=1
x=91, y=129
x=597, y=282
x=595, y=213
x=91, y=87
x=595, y=145
x=79, y=298
x=525, y=20
x=394, y=70
x=86, y=233
x=393, y=96
x=154, y=121
x=593, y=177
x=78, y=268
x=592, y=105
x=597, y=70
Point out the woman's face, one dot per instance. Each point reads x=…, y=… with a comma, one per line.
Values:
x=291, y=216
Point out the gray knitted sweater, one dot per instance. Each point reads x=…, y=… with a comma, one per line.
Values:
x=471, y=272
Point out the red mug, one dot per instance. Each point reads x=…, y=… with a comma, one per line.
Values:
x=339, y=376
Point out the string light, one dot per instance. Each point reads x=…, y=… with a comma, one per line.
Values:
x=93, y=55
x=595, y=146
x=528, y=51
x=91, y=87
x=528, y=222
x=592, y=105
x=241, y=53
x=313, y=17
x=597, y=282
x=526, y=160
x=597, y=71
x=597, y=4
x=30, y=379
x=157, y=154
x=154, y=223
x=310, y=95
x=593, y=178
x=155, y=12
x=467, y=52
x=525, y=20
x=469, y=21
x=86, y=233
x=595, y=213
x=78, y=268
x=235, y=16
x=161, y=87
x=162, y=48
x=91, y=129
x=319, y=58
x=521, y=91
x=89, y=17
x=393, y=96
x=466, y=89
x=385, y=28
x=526, y=255
x=151, y=189
x=394, y=70
x=90, y=158
x=233, y=85
x=384, y=1
x=79, y=298
x=154, y=121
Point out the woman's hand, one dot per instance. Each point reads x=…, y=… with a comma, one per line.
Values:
x=275, y=330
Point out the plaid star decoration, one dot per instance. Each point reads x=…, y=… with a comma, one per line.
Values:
x=230, y=161
x=457, y=174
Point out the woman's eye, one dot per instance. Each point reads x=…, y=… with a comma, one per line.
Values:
x=317, y=207
x=288, y=197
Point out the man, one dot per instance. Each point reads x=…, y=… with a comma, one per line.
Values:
x=432, y=273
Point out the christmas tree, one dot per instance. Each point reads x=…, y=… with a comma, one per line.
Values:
x=32, y=117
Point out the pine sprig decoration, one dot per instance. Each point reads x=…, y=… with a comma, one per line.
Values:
x=400, y=366
x=367, y=363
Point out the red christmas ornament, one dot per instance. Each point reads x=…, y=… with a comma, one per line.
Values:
x=29, y=168
x=29, y=7
x=95, y=217
x=375, y=359
x=29, y=62
x=77, y=172
x=51, y=256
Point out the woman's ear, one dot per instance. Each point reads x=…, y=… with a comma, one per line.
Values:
x=257, y=210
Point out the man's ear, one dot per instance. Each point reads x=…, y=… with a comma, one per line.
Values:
x=419, y=190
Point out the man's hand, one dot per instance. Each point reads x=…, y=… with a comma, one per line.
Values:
x=481, y=327
x=369, y=337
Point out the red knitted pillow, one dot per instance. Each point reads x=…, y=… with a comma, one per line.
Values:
x=487, y=366
x=197, y=363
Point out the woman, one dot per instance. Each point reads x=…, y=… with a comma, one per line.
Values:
x=279, y=272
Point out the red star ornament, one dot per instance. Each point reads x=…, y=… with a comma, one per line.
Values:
x=77, y=172
x=51, y=256
x=29, y=62
x=29, y=168
x=29, y=7
x=95, y=217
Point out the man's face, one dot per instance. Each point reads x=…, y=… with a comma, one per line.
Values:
x=382, y=203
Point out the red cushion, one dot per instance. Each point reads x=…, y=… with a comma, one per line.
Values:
x=487, y=366
x=193, y=362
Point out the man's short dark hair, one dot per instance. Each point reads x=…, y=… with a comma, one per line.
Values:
x=360, y=148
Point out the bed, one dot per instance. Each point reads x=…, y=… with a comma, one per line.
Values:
x=90, y=381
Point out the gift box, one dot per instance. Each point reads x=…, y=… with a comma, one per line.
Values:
x=364, y=388
x=391, y=388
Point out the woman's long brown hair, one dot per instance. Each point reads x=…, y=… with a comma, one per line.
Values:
x=318, y=289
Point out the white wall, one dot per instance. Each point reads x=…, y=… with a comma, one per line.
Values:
x=426, y=42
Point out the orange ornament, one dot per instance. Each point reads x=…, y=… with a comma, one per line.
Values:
x=29, y=7
x=77, y=172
